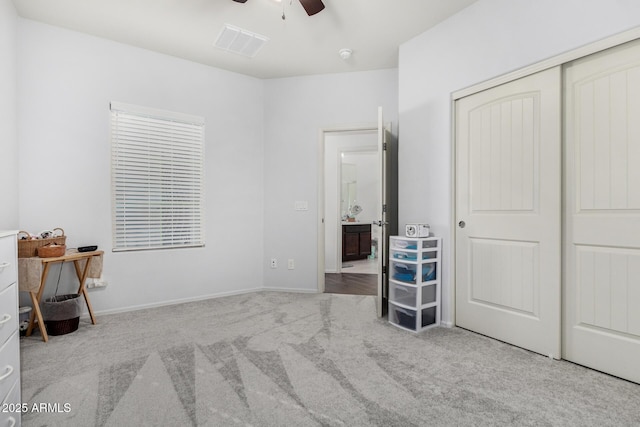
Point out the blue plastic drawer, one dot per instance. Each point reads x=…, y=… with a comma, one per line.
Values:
x=403, y=272
x=429, y=272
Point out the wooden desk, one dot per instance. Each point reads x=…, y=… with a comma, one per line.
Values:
x=75, y=257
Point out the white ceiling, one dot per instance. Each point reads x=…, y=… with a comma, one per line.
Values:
x=298, y=45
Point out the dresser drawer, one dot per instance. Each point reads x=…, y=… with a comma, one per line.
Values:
x=9, y=364
x=8, y=312
x=8, y=259
x=361, y=228
x=12, y=407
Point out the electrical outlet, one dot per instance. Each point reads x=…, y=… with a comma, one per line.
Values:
x=291, y=264
x=274, y=263
x=96, y=283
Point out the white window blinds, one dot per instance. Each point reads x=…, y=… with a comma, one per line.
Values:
x=157, y=178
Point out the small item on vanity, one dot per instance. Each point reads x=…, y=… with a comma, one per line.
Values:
x=87, y=248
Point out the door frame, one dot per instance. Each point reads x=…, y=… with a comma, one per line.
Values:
x=320, y=233
x=558, y=60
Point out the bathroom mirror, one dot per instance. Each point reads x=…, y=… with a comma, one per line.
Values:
x=349, y=188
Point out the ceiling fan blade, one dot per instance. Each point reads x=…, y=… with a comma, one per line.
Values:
x=312, y=6
x=240, y=1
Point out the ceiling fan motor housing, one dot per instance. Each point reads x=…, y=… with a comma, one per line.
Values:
x=310, y=6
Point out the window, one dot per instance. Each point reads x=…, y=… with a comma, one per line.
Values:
x=157, y=178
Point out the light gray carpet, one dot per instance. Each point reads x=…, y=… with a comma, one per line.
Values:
x=282, y=359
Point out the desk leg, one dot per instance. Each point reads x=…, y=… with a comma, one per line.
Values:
x=35, y=300
x=82, y=277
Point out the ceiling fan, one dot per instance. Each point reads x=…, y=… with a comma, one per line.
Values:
x=310, y=6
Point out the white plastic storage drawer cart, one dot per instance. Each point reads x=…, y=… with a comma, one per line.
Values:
x=414, y=282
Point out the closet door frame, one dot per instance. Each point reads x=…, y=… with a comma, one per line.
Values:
x=554, y=61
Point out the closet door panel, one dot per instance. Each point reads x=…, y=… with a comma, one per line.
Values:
x=508, y=210
x=602, y=217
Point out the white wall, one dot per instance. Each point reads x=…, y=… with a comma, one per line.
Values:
x=295, y=111
x=8, y=124
x=66, y=81
x=489, y=38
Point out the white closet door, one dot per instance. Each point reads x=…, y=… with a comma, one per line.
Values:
x=602, y=230
x=508, y=209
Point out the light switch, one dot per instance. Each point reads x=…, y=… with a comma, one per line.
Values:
x=301, y=205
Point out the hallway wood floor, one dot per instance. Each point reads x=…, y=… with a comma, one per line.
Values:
x=351, y=283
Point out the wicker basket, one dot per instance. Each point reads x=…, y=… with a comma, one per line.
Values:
x=61, y=313
x=51, y=251
x=29, y=248
x=61, y=327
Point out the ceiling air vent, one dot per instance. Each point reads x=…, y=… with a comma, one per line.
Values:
x=243, y=42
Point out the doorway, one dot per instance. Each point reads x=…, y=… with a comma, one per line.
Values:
x=386, y=209
x=351, y=205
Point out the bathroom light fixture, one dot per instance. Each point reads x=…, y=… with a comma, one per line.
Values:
x=345, y=53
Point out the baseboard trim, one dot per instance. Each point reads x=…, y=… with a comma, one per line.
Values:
x=298, y=291
x=85, y=314
x=447, y=324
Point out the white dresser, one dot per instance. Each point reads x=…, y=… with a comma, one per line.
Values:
x=9, y=333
